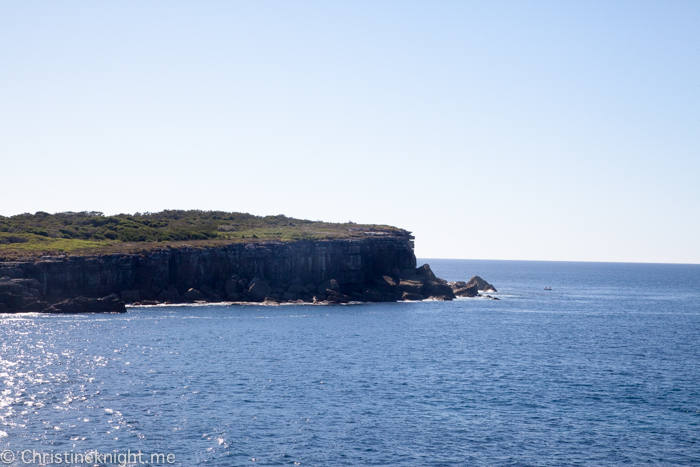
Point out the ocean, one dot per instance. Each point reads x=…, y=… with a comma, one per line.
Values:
x=604, y=369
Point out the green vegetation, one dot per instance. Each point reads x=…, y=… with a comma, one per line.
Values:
x=92, y=232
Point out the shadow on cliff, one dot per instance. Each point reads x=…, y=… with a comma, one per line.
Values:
x=377, y=269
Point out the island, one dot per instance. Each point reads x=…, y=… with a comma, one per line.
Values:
x=90, y=262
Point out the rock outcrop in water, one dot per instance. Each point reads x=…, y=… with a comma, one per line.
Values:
x=374, y=269
x=481, y=284
x=472, y=288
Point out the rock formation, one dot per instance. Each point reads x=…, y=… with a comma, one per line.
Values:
x=481, y=284
x=461, y=289
x=373, y=269
x=472, y=288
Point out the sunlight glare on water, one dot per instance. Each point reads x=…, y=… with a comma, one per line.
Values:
x=604, y=369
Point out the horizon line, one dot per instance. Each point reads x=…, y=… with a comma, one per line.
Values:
x=556, y=261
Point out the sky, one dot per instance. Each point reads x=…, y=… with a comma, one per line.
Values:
x=530, y=130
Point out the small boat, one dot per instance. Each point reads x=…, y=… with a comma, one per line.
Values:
x=547, y=288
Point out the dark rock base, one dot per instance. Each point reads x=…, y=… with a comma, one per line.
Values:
x=381, y=269
x=24, y=296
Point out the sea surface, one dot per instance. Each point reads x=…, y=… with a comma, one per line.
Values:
x=604, y=369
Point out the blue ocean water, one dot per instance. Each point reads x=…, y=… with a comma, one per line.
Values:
x=602, y=370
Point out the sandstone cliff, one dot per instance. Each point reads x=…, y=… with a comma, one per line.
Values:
x=210, y=274
x=380, y=267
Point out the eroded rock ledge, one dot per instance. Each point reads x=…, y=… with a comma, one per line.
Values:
x=377, y=269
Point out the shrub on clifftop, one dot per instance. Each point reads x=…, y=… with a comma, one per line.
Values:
x=93, y=232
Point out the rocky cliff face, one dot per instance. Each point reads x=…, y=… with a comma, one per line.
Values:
x=380, y=267
x=296, y=269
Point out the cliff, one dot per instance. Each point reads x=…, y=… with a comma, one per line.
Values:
x=379, y=267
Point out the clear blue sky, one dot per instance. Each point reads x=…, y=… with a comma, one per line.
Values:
x=505, y=130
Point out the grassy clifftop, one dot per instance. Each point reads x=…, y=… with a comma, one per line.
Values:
x=80, y=233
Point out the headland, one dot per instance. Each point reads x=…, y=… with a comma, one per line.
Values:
x=85, y=262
